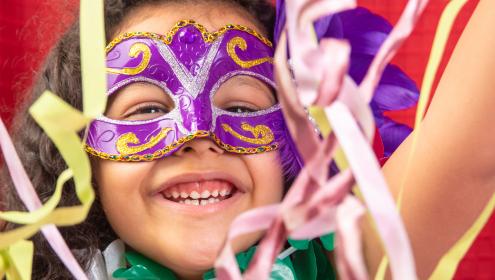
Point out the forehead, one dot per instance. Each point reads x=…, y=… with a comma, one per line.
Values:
x=161, y=18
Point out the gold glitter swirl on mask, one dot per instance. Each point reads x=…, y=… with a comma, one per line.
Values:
x=169, y=148
x=263, y=135
x=131, y=138
x=135, y=50
x=241, y=44
x=208, y=37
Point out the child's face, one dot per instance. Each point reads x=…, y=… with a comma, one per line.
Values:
x=186, y=238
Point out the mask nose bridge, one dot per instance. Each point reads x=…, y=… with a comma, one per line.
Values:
x=203, y=114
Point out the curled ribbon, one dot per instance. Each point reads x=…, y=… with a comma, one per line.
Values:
x=311, y=206
x=13, y=261
x=61, y=123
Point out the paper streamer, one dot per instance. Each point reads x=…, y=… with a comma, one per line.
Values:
x=302, y=41
x=61, y=123
x=439, y=43
x=374, y=191
x=300, y=50
x=49, y=111
x=93, y=57
x=350, y=248
x=448, y=264
x=309, y=182
x=15, y=262
x=394, y=41
x=226, y=264
x=442, y=35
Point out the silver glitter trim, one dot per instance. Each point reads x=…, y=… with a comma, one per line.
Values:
x=204, y=71
x=173, y=115
x=220, y=112
x=130, y=80
x=194, y=85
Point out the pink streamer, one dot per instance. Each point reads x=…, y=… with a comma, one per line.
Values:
x=317, y=217
x=254, y=220
x=313, y=206
x=29, y=197
x=349, y=249
x=296, y=117
x=336, y=53
x=399, y=34
x=302, y=41
x=374, y=191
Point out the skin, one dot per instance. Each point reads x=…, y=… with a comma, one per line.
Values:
x=184, y=242
x=454, y=157
x=441, y=200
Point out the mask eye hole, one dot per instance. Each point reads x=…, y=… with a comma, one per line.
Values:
x=244, y=94
x=138, y=102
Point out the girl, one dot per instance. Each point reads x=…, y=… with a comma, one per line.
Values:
x=175, y=204
x=152, y=205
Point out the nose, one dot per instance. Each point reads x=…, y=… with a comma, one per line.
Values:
x=199, y=146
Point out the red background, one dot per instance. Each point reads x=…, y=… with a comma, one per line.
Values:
x=28, y=28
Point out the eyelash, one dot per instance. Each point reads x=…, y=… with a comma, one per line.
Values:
x=141, y=110
x=240, y=109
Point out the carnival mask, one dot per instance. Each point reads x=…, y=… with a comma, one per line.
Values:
x=189, y=64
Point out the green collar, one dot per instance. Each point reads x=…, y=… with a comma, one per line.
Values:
x=309, y=262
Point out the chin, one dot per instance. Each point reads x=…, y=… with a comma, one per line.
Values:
x=197, y=256
x=190, y=261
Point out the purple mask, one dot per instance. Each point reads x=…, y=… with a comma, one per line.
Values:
x=189, y=64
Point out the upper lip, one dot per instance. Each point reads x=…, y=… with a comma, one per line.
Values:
x=201, y=176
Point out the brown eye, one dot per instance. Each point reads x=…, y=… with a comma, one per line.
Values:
x=139, y=102
x=146, y=111
x=240, y=109
x=149, y=109
x=244, y=94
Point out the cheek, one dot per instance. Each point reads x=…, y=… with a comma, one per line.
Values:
x=266, y=172
x=120, y=190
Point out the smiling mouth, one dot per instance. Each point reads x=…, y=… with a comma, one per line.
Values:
x=200, y=193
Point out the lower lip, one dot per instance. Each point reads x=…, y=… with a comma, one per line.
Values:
x=200, y=209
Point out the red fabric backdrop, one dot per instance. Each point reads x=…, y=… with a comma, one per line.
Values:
x=28, y=29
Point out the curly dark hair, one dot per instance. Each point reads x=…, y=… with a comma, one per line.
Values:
x=61, y=74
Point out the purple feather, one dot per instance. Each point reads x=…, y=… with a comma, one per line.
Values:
x=366, y=32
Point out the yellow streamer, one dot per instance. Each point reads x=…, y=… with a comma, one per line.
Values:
x=63, y=131
x=442, y=35
x=318, y=114
x=19, y=265
x=14, y=262
x=449, y=262
x=34, y=216
x=61, y=123
x=93, y=57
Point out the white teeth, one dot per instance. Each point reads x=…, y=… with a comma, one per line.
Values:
x=197, y=202
x=227, y=192
x=194, y=195
x=223, y=192
x=168, y=195
x=215, y=193
x=205, y=194
x=175, y=194
x=184, y=195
